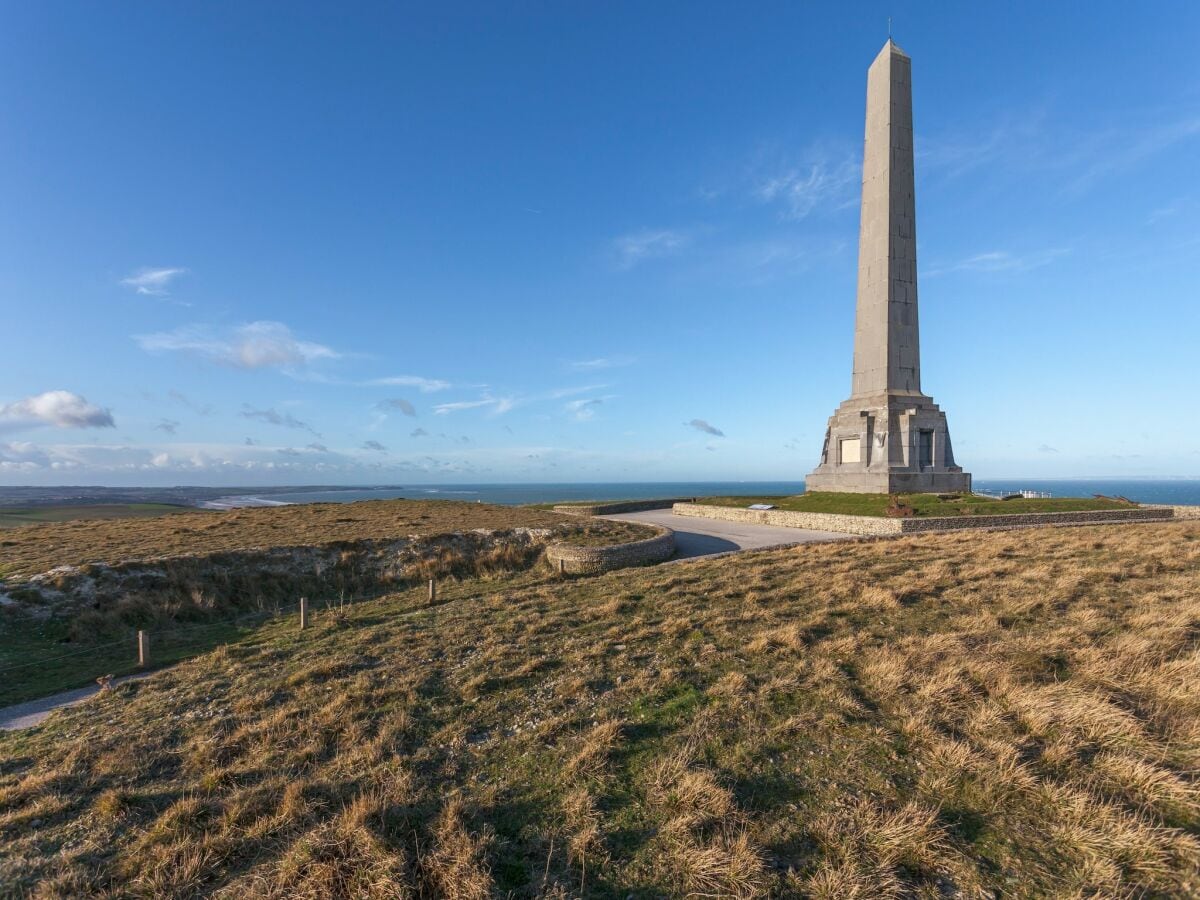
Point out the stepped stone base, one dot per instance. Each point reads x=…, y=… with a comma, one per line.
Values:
x=893, y=442
x=888, y=483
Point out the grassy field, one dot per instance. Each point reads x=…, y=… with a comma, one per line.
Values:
x=921, y=504
x=39, y=657
x=16, y=517
x=29, y=551
x=203, y=607
x=1012, y=713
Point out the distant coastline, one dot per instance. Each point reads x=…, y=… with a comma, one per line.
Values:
x=1182, y=491
x=240, y=501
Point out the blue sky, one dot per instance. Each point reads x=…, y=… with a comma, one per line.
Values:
x=309, y=243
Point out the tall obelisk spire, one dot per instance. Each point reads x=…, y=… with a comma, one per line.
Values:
x=887, y=353
x=888, y=437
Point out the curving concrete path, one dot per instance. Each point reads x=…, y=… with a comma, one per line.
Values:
x=710, y=537
x=32, y=712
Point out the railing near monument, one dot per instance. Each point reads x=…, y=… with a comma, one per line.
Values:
x=1028, y=495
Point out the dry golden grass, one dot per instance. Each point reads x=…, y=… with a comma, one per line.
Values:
x=39, y=548
x=1000, y=714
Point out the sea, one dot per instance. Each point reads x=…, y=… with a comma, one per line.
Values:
x=1175, y=491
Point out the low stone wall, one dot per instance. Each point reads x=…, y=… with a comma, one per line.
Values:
x=878, y=525
x=1181, y=512
x=575, y=560
x=620, y=506
x=873, y=525
x=1018, y=520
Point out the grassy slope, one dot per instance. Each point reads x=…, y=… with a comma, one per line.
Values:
x=37, y=549
x=42, y=657
x=17, y=517
x=1016, y=711
x=79, y=654
x=922, y=504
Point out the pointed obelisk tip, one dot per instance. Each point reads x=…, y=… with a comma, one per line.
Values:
x=893, y=48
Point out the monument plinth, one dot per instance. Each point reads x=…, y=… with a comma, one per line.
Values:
x=888, y=437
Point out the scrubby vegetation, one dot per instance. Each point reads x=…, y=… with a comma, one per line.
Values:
x=31, y=550
x=974, y=714
x=922, y=504
x=92, y=611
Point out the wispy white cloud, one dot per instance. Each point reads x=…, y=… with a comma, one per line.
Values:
x=999, y=261
x=585, y=408
x=601, y=362
x=1036, y=139
x=60, y=409
x=424, y=385
x=443, y=408
x=560, y=393
x=1162, y=212
x=1120, y=149
x=804, y=189
x=821, y=177
x=640, y=246
x=256, y=345
x=496, y=406
x=153, y=282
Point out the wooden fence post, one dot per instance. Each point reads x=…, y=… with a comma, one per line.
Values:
x=432, y=590
x=143, y=649
x=303, y=612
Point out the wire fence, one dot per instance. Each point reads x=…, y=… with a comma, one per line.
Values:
x=151, y=647
x=186, y=631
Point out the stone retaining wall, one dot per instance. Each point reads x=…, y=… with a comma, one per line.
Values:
x=576, y=560
x=1082, y=517
x=1181, y=512
x=619, y=506
x=878, y=525
x=791, y=519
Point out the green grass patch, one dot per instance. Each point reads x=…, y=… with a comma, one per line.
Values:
x=923, y=505
x=16, y=517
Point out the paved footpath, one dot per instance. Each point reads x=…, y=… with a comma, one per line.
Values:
x=696, y=536
x=26, y=715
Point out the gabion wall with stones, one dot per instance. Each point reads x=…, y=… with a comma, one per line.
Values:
x=877, y=525
x=1181, y=512
x=592, y=560
x=1083, y=517
x=620, y=506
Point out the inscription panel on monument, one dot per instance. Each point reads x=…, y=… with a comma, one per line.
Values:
x=849, y=450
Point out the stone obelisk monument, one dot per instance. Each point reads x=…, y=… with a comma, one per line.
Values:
x=888, y=437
